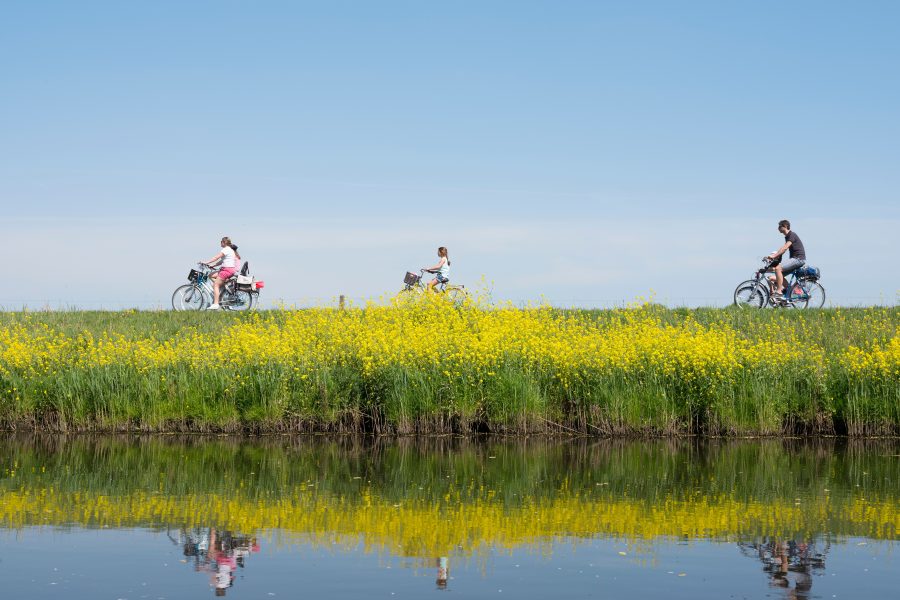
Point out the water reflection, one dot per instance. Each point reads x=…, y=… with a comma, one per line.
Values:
x=785, y=504
x=219, y=553
x=443, y=571
x=790, y=564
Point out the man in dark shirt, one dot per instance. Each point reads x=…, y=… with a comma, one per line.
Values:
x=796, y=259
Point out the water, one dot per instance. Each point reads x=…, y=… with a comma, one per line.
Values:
x=161, y=517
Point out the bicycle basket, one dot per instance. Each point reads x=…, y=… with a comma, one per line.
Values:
x=411, y=278
x=194, y=275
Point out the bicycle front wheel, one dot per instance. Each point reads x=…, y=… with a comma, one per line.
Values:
x=188, y=297
x=813, y=293
x=750, y=294
x=410, y=292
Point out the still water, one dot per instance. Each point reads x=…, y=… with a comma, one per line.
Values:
x=289, y=517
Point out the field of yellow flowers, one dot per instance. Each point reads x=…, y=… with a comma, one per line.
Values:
x=432, y=367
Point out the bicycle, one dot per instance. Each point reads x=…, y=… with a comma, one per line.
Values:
x=801, y=289
x=198, y=294
x=413, y=285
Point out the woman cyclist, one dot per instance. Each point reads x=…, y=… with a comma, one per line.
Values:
x=229, y=258
x=441, y=270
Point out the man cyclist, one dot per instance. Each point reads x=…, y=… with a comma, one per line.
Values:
x=796, y=258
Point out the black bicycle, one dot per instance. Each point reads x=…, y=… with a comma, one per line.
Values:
x=801, y=289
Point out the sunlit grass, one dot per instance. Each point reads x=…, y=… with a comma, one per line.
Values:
x=431, y=366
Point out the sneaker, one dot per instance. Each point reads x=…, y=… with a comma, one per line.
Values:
x=213, y=307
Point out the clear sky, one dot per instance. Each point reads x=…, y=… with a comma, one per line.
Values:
x=581, y=152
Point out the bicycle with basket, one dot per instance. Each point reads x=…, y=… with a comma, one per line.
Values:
x=240, y=292
x=413, y=285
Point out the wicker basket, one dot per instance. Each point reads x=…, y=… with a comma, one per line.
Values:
x=411, y=278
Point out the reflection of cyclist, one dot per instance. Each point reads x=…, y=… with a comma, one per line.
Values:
x=790, y=564
x=441, y=270
x=218, y=553
x=797, y=256
x=229, y=258
x=443, y=572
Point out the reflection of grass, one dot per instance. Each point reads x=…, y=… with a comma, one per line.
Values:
x=423, y=499
x=520, y=370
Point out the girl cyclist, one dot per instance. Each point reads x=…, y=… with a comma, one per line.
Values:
x=441, y=270
x=229, y=258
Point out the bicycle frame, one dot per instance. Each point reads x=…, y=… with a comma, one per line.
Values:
x=440, y=287
x=790, y=294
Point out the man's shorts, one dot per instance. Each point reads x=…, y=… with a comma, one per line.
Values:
x=789, y=265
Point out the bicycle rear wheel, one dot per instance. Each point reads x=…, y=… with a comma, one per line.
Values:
x=239, y=300
x=188, y=297
x=813, y=294
x=750, y=294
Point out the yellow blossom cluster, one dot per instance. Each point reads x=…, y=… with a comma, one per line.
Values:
x=377, y=337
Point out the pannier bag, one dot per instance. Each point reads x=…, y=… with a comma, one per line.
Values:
x=411, y=278
x=244, y=279
x=808, y=272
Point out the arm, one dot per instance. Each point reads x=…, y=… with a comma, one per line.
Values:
x=217, y=258
x=437, y=266
x=781, y=250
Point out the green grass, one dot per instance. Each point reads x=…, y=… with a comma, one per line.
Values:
x=787, y=396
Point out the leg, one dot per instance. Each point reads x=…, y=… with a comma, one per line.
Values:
x=785, y=268
x=217, y=284
x=431, y=285
x=779, y=279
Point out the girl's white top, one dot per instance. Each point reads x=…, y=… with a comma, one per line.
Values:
x=228, y=260
x=445, y=267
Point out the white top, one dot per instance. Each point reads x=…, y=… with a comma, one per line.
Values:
x=445, y=267
x=228, y=260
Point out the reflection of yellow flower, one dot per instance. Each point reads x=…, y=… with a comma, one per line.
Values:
x=419, y=527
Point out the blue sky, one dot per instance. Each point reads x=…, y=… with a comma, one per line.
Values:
x=584, y=152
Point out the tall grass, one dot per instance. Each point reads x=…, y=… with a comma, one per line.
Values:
x=433, y=367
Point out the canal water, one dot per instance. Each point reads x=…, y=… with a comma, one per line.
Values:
x=289, y=517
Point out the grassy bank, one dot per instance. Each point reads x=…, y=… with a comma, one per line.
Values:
x=430, y=367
